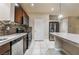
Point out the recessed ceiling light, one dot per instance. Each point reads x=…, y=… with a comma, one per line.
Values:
x=52, y=9
x=32, y=4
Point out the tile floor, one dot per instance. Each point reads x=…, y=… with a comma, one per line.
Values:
x=40, y=48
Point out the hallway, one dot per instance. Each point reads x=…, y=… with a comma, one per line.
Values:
x=40, y=47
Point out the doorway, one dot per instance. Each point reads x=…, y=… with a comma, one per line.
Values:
x=39, y=29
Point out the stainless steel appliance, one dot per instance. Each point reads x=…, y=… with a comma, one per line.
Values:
x=53, y=27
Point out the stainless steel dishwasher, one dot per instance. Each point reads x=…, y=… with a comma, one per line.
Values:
x=17, y=47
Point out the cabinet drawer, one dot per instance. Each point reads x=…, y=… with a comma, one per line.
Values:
x=4, y=48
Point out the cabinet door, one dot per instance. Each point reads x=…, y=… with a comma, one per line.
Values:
x=18, y=14
x=5, y=49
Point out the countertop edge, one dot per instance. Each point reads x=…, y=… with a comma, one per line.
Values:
x=11, y=37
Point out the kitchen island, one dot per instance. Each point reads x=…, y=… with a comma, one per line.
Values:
x=67, y=42
x=14, y=44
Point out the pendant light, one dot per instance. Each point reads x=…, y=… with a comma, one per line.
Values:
x=16, y=4
x=32, y=4
x=60, y=16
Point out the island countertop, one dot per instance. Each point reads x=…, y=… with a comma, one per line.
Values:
x=9, y=38
x=68, y=36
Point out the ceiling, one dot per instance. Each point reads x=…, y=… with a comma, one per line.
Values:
x=67, y=9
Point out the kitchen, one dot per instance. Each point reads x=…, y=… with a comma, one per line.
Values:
x=39, y=28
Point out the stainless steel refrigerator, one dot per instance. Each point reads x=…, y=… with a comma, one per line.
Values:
x=53, y=27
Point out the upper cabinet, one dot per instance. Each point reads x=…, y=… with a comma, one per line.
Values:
x=21, y=16
x=18, y=14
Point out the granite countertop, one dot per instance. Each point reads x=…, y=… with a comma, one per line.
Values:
x=74, y=38
x=9, y=38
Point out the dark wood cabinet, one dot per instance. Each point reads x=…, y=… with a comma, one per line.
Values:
x=5, y=49
x=18, y=14
x=21, y=16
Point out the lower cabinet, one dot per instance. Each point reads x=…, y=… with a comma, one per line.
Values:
x=5, y=49
x=15, y=47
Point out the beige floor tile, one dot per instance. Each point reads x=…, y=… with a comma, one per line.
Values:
x=40, y=48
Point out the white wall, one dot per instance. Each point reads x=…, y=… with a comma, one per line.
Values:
x=12, y=12
x=7, y=11
x=4, y=11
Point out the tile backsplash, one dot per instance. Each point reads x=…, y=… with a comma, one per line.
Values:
x=3, y=28
x=7, y=32
x=7, y=27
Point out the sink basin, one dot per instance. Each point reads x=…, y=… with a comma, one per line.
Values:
x=1, y=39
